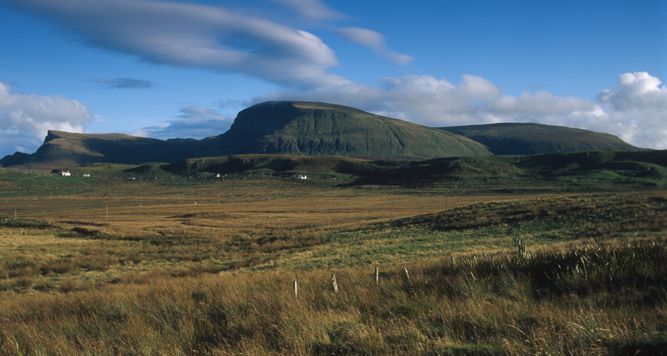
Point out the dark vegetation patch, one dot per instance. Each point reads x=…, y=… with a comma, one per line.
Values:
x=588, y=214
x=25, y=223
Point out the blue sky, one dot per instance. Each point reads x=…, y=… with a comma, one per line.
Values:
x=184, y=68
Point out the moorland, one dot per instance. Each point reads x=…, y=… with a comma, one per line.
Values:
x=417, y=252
x=138, y=259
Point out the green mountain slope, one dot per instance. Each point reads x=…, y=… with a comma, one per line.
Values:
x=272, y=127
x=327, y=129
x=317, y=129
x=530, y=138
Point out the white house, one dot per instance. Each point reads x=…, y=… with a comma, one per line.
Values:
x=302, y=177
x=62, y=172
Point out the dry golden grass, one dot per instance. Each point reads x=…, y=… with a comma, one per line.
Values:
x=167, y=276
x=486, y=307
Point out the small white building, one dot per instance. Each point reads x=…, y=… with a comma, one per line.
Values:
x=302, y=177
x=62, y=172
x=86, y=175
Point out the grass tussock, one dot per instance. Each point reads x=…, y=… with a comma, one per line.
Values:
x=598, y=299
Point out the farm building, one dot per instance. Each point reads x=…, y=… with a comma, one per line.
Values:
x=62, y=172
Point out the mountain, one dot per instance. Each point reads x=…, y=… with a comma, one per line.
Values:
x=69, y=149
x=271, y=127
x=326, y=129
x=530, y=138
x=309, y=128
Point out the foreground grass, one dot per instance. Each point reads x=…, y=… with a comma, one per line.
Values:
x=599, y=299
x=163, y=275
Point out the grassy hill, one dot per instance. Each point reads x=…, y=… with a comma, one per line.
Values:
x=583, y=171
x=274, y=163
x=65, y=149
x=327, y=129
x=571, y=172
x=530, y=138
x=273, y=127
x=318, y=129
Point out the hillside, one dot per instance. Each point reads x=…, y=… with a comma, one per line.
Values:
x=327, y=129
x=531, y=138
x=271, y=163
x=272, y=127
x=584, y=171
x=70, y=149
x=319, y=129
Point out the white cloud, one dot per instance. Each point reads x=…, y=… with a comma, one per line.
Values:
x=25, y=119
x=636, y=110
x=311, y=9
x=376, y=42
x=200, y=36
x=194, y=121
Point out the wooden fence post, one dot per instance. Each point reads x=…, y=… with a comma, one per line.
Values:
x=377, y=275
x=334, y=283
x=407, y=275
x=296, y=289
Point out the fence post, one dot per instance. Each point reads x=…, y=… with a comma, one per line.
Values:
x=333, y=282
x=521, y=247
x=407, y=275
x=296, y=289
x=377, y=275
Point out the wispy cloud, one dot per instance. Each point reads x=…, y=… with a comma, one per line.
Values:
x=634, y=110
x=193, y=35
x=311, y=9
x=125, y=83
x=374, y=41
x=25, y=118
x=193, y=121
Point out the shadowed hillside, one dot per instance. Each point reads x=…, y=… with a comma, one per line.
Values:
x=71, y=149
x=573, y=171
x=530, y=138
x=583, y=171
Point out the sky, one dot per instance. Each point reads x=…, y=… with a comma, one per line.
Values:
x=179, y=68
